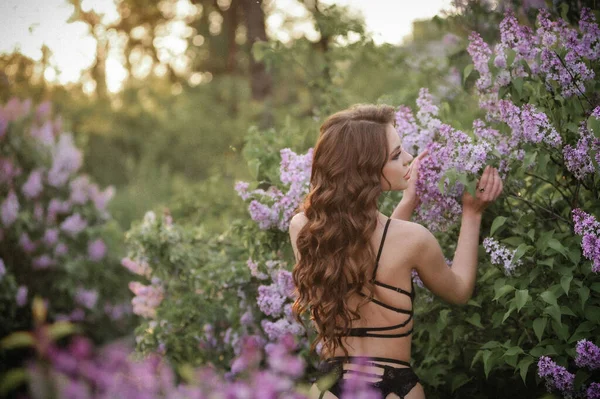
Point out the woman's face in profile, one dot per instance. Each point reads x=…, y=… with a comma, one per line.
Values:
x=396, y=169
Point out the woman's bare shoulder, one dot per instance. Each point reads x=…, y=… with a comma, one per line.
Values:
x=298, y=221
x=411, y=235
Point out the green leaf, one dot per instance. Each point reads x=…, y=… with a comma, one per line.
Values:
x=523, y=366
x=459, y=380
x=487, y=364
x=254, y=166
x=514, y=350
x=554, y=311
x=565, y=282
x=491, y=345
x=581, y=376
x=475, y=319
x=18, y=340
x=521, y=298
x=584, y=294
x=61, y=329
x=592, y=313
x=505, y=289
x=499, y=221
x=558, y=247
x=539, y=325
x=520, y=251
x=593, y=124
x=467, y=72
x=518, y=85
x=549, y=297
x=11, y=380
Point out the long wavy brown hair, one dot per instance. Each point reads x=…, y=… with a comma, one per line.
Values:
x=336, y=260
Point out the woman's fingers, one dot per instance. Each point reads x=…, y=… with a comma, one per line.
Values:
x=491, y=187
x=423, y=154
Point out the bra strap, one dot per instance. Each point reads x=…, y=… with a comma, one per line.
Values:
x=387, y=224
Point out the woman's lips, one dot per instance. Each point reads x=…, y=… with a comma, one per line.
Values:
x=407, y=176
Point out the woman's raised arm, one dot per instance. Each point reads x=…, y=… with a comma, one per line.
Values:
x=456, y=284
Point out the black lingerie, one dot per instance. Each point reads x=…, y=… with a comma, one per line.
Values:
x=398, y=380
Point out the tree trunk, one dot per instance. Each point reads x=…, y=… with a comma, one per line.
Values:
x=261, y=80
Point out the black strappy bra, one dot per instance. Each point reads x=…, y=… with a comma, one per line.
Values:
x=369, y=331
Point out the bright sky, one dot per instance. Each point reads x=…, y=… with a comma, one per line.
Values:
x=28, y=24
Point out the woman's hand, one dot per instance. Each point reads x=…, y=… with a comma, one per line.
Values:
x=410, y=194
x=489, y=188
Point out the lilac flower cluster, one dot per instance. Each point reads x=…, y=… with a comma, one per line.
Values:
x=588, y=355
x=577, y=159
x=41, y=208
x=147, y=297
x=139, y=267
x=588, y=227
x=556, y=377
x=275, y=300
x=87, y=298
x=500, y=255
x=449, y=149
x=480, y=52
x=274, y=208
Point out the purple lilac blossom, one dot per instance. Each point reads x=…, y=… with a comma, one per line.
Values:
x=416, y=279
x=87, y=298
x=480, y=53
x=452, y=149
x=66, y=160
x=596, y=112
x=61, y=249
x=577, y=159
x=101, y=198
x=96, y=250
x=10, y=209
x=8, y=171
x=79, y=190
x=588, y=355
x=26, y=243
x=50, y=237
x=33, y=186
x=21, y=297
x=269, y=299
x=250, y=354
x=274, y=208
x=253, y=266
x=43, y=262
x=281, y=327
x=588, y=227
x=556, y=377
x=281, y=359
x=74, y=224
x=241, y=187
x=593, y=391
x=247, y=318
x=38, y=212
x=44, y=133
x=500, y=255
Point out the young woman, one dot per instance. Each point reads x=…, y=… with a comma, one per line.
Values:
x=353, y=270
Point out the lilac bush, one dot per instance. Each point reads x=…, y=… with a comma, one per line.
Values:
x=53, y=219
x=274, y=207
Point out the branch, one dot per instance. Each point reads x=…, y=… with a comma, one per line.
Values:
x=531, y=203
